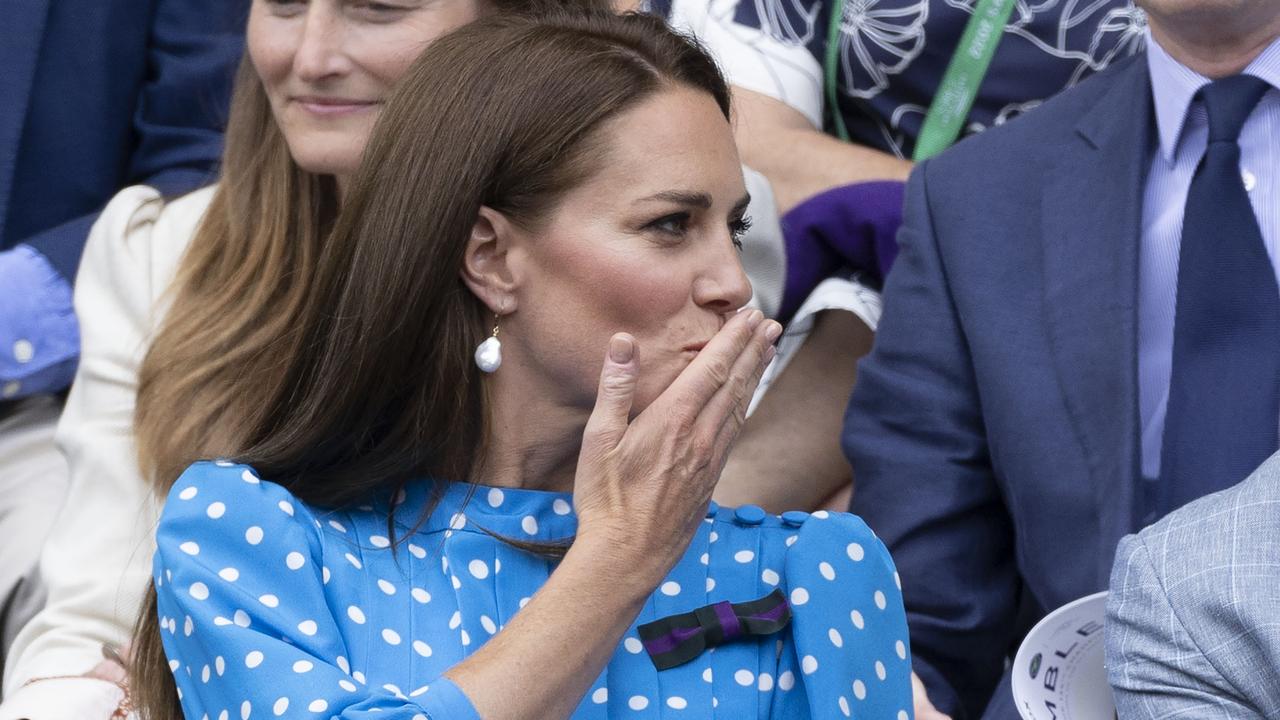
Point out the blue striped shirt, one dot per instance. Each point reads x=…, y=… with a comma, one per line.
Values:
x=1183, y=131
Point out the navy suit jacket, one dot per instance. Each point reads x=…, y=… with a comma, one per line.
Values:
x=993, y=430
x=96, y=95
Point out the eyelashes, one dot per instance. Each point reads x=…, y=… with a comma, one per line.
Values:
x=676, y=225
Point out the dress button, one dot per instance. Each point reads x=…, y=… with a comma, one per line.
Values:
x=23, y=351
x=749, y=515
x=795, y=518
x=10, y=389
x=1250, y=180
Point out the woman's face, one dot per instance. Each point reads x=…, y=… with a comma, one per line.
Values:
x=328, y=65
x=645, y=246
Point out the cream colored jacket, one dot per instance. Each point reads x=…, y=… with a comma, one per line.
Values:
x=97, y=560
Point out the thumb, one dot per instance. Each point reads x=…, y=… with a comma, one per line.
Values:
x=611, y=415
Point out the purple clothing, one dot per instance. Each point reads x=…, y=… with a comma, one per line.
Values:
x=39, y=337
x=851, y=226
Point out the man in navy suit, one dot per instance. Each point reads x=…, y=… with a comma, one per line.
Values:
x=1030, y=398
x=95, y=95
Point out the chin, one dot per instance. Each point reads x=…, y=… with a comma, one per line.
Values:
x=325, y=158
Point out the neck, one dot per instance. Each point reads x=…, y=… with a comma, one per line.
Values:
x=533, y=442
x=1216, y=42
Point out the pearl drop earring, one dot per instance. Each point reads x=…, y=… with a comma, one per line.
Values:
x=489, y=353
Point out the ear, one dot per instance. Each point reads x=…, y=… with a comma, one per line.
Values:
x=486, y=266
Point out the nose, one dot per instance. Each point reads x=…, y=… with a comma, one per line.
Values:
x=723, y=286
x=321, y=52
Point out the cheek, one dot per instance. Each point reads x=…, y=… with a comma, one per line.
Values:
x=270, y=47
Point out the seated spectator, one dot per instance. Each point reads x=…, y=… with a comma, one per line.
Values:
x=95, y=95
x=1080, y=342
x=315, y=75
x=480, y=538
x=831, y=101
x=1191, y=617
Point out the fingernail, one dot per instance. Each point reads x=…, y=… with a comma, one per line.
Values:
x=755, y=318
x=773, y=331
x=621, y=349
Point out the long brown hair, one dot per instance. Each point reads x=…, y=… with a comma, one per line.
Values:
x=368, y=381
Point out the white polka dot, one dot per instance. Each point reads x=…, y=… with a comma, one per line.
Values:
x=487, y=623
x=880, y=670
x=229, y=574
x=324, y=575
x=358, y=676
x=199, y=591
x=901, y=648
x=219, y=665
x=786, y=681
x=241, y=618
x=308, y=627
x=222, y=715
x=189, y=548
x=188, y=493
x=523, y=602
x=355, y=562
x=675, y=702
x=386, y=587
x=844, y=705
x=303, y=666
x=294, y=560
x=633, y=646
x=347, y=685
x=799, y=596
x=478, y=569
x=245, y=709
x=189, y=627
x=855, y=551
x=897, y=580
x=835, y=637
x=253, y=535
x=343, y=665
x=455, y=620
x=391, y=636
x=174, y=665
x=638, y=702
x=466, y=639
x=286, y=507
x=253, y=659
x=281, y=706
x=379, y=541
x=318, y=706
x=707, y=675
x=337, y=526
x=765, y=683
x=457, y=584
x=560, y=507
x=422, y=648
x=219, y=621
x=671, y=588
x=827, y=571
x=711, y=584
x=744, y=556
x=744, y=677
x=356, y=614
x=902, y=715
x=495, y=497
x=216, y=510
x=529, y=525
x=856, y=617
x=770, y=577
x=809, y=664
x=420, y=595
x=705, y=559
x=791, y=540
x=859, y=690
x=601, y=695
x=714, y=536
x=880, y=600
x=458, y=521
x=822, y=514
x=204, y=674
x=249, y=477
x=417, y=551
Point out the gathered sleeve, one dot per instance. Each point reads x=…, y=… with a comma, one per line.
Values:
x=849, y=623
x=240, y=580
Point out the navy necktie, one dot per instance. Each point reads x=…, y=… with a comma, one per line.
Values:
x=1224, y=390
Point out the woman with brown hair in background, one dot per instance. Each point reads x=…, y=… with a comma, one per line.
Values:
x=480, y=537
x=182, y=300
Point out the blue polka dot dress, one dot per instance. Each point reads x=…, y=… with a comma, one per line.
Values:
x=273, y=608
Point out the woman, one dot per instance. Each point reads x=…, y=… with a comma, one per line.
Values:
x=314, y=77
x=392, y=546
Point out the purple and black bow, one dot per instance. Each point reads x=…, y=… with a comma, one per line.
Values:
x=677, y=639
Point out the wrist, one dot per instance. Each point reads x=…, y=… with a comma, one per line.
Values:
x=619, y=562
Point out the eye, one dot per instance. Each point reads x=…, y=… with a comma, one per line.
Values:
x=737, y=229
x=287, y=8
x=675, y=224
x=379, y=10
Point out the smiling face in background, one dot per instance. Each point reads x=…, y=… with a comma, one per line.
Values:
x=328, y=65
x=646, y=245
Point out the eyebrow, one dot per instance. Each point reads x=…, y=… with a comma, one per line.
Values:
x=695, y=199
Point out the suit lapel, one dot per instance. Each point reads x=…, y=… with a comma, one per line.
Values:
x=1092, y=214
x=19, y=53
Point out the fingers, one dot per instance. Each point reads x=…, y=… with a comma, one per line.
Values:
x=612, y=410
x=727, y=411
x=711, y=369
x=924, y=710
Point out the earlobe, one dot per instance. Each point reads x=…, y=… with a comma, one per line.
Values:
x=486, y=267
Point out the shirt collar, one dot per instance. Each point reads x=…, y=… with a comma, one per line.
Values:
x=1174, y=86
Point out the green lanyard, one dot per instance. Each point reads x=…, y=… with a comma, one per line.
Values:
x=959, y=87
